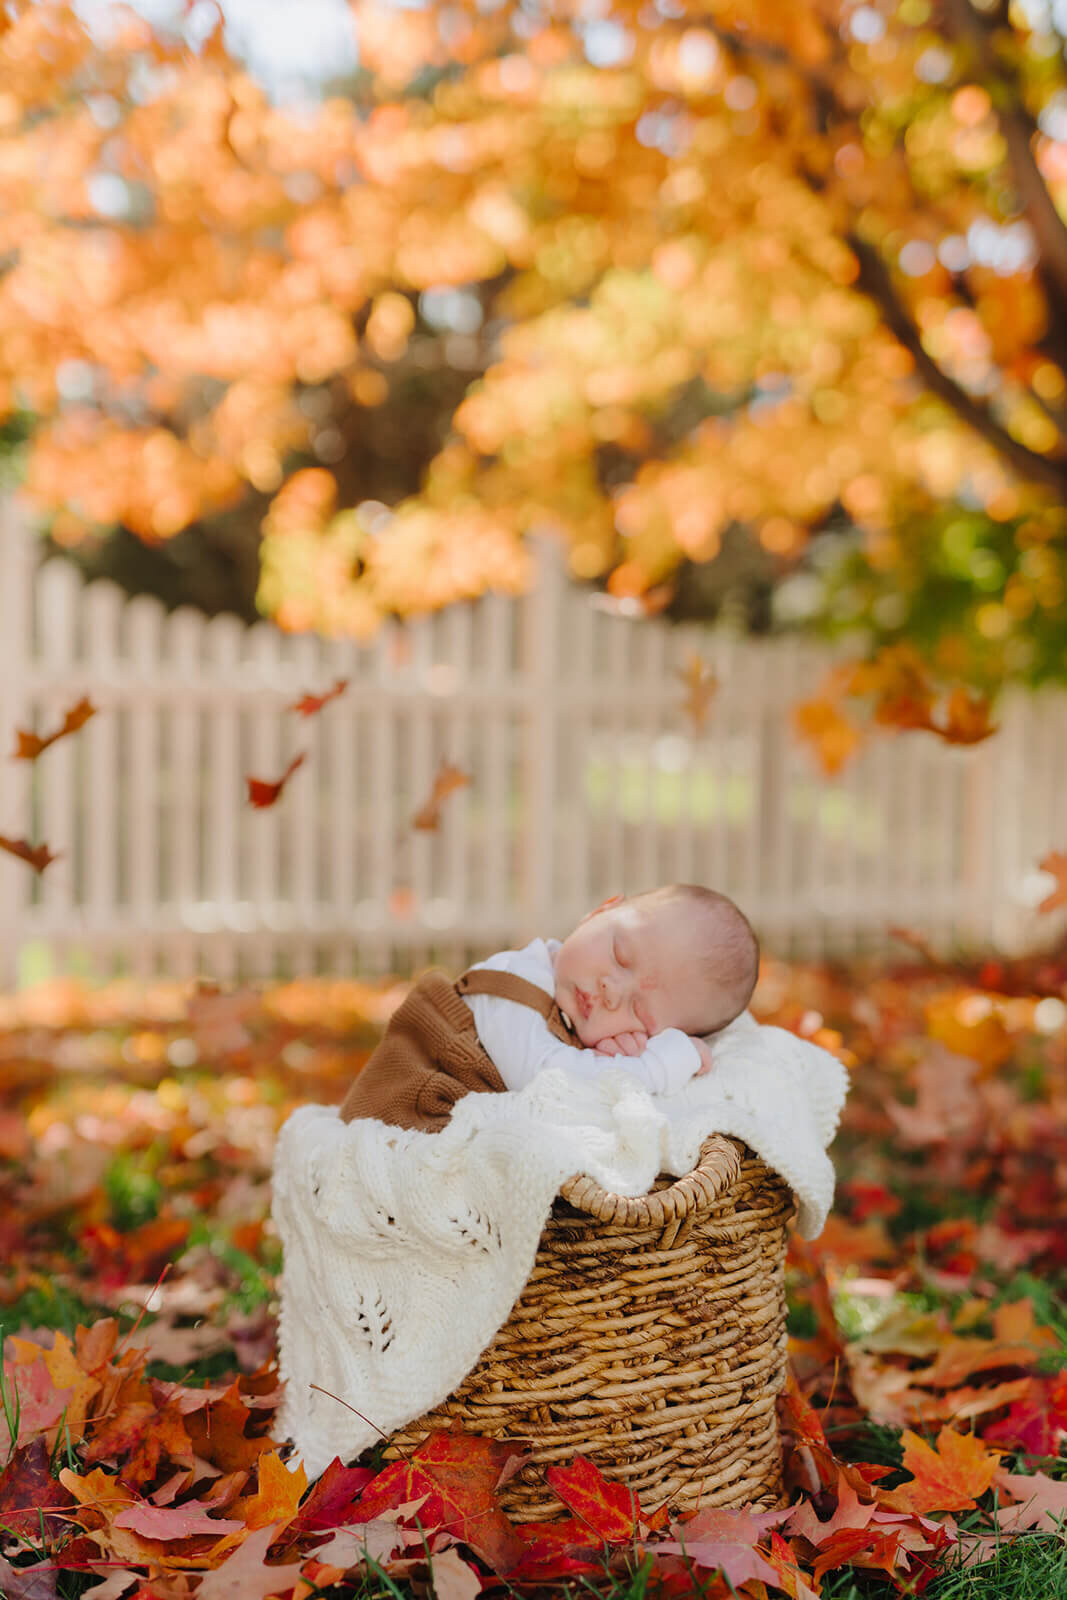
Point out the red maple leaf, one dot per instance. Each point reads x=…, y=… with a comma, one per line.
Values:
x=456, y=1476
x=610, y=1510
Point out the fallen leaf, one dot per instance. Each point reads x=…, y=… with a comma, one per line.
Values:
x=277, y=1495
x=244, y=1575
x=451, y=1577
x=173, y=1522
x=948, y=1478
x=29, y=746
x=726, y=1539
x=262, y=793
x=29, y=1496
x=113, y=1583
x=1042, y=1502
x=609, y=1510
x=332, y=1498
x=27, y=1583
x=850, y=1512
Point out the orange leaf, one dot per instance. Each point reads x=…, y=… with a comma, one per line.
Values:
x=38, y=856
x=261, y=793
x=29, y=746
x=948, y=1478
x=701, y=685
x=218, y=1432
x=310, y=704
x=966, y=719
x=277, y=1495
x=1055, y=864
x=832, y=736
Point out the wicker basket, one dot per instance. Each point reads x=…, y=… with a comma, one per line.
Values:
x=650, y=1338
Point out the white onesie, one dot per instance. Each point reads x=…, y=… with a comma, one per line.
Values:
x=519, y=1043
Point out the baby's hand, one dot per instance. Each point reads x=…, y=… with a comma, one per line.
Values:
x=707, y=1062
x=623, y=1044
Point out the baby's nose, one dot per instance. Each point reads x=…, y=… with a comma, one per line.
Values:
x=608, y=992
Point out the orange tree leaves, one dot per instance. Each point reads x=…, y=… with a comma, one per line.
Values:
x=859, y=313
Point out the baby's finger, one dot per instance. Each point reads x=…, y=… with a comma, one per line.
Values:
x=608, y=1047
x=632, y=1044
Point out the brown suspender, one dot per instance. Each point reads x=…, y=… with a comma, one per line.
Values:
x=509, y=986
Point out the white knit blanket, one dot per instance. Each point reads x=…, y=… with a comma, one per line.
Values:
x=404, y=1252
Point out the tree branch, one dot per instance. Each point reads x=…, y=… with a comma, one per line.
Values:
x=874, y=280
x=1018, y=128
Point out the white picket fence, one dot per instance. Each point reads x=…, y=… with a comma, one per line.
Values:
x=587, y=778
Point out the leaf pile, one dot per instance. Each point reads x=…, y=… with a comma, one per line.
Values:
x=925, y=1422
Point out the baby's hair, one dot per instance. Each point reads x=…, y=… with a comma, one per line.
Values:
x=728, y=954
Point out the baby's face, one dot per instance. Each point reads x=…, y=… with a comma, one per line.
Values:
x=628, y=967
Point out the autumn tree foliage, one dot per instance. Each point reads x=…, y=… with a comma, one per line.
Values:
x=639, y=277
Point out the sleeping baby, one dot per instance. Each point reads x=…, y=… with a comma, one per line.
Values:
x=639, y=985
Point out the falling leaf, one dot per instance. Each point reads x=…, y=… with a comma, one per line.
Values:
x=309, y=705
x=37, y=856
x=262, y=794
x=1055, y=864
x=446, y=779
x=700, y=685
x=832, y=736
x=30, y=745
x=966, y=719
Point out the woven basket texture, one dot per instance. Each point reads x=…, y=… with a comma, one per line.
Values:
x=650, y=1338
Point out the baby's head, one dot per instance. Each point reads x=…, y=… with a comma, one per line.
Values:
x=678, y=957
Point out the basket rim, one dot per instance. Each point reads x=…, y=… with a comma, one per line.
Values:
x=717, y=1170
